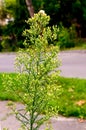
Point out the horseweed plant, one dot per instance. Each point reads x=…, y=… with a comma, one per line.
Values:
x=37, y=78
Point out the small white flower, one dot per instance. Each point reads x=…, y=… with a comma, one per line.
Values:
x=42, y=12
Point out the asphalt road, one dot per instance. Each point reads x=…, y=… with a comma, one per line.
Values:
x=73, y=63
x=7, y=62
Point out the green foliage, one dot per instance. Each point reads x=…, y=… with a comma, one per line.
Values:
x=73, y=92
x=74, y=96
x=60, y=11
x=66, y=37
x=2, y=13
x=10, y=6
x=17, y=10
x=37, y=78
x=7, y=8
x=39, y=31
x=8, y=43
x=65, y=11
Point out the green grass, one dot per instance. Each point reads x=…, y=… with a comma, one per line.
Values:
x=72, y=101
x=73, y=98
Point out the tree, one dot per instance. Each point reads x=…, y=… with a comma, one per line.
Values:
x=68, y=12
x=18, y=10
x=30, y=7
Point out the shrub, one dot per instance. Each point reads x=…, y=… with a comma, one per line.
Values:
x=66, y=37
x=8, y=44
x=36, y=84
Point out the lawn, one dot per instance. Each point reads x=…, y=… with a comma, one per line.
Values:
x=72, y=100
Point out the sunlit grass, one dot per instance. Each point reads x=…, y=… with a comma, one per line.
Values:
x=72, y=101
x=73, y=98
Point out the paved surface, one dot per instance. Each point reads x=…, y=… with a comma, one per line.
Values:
x=73, y=63
x=8, y=120
x=7, y=62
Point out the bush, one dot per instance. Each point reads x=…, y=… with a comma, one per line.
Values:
x=8, y=44
x=66, y=37
x=35, y=64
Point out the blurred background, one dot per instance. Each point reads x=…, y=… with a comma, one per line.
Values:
x=68, y=15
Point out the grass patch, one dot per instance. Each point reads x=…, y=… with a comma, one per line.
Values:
x=72, y=101
x=73, y=98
